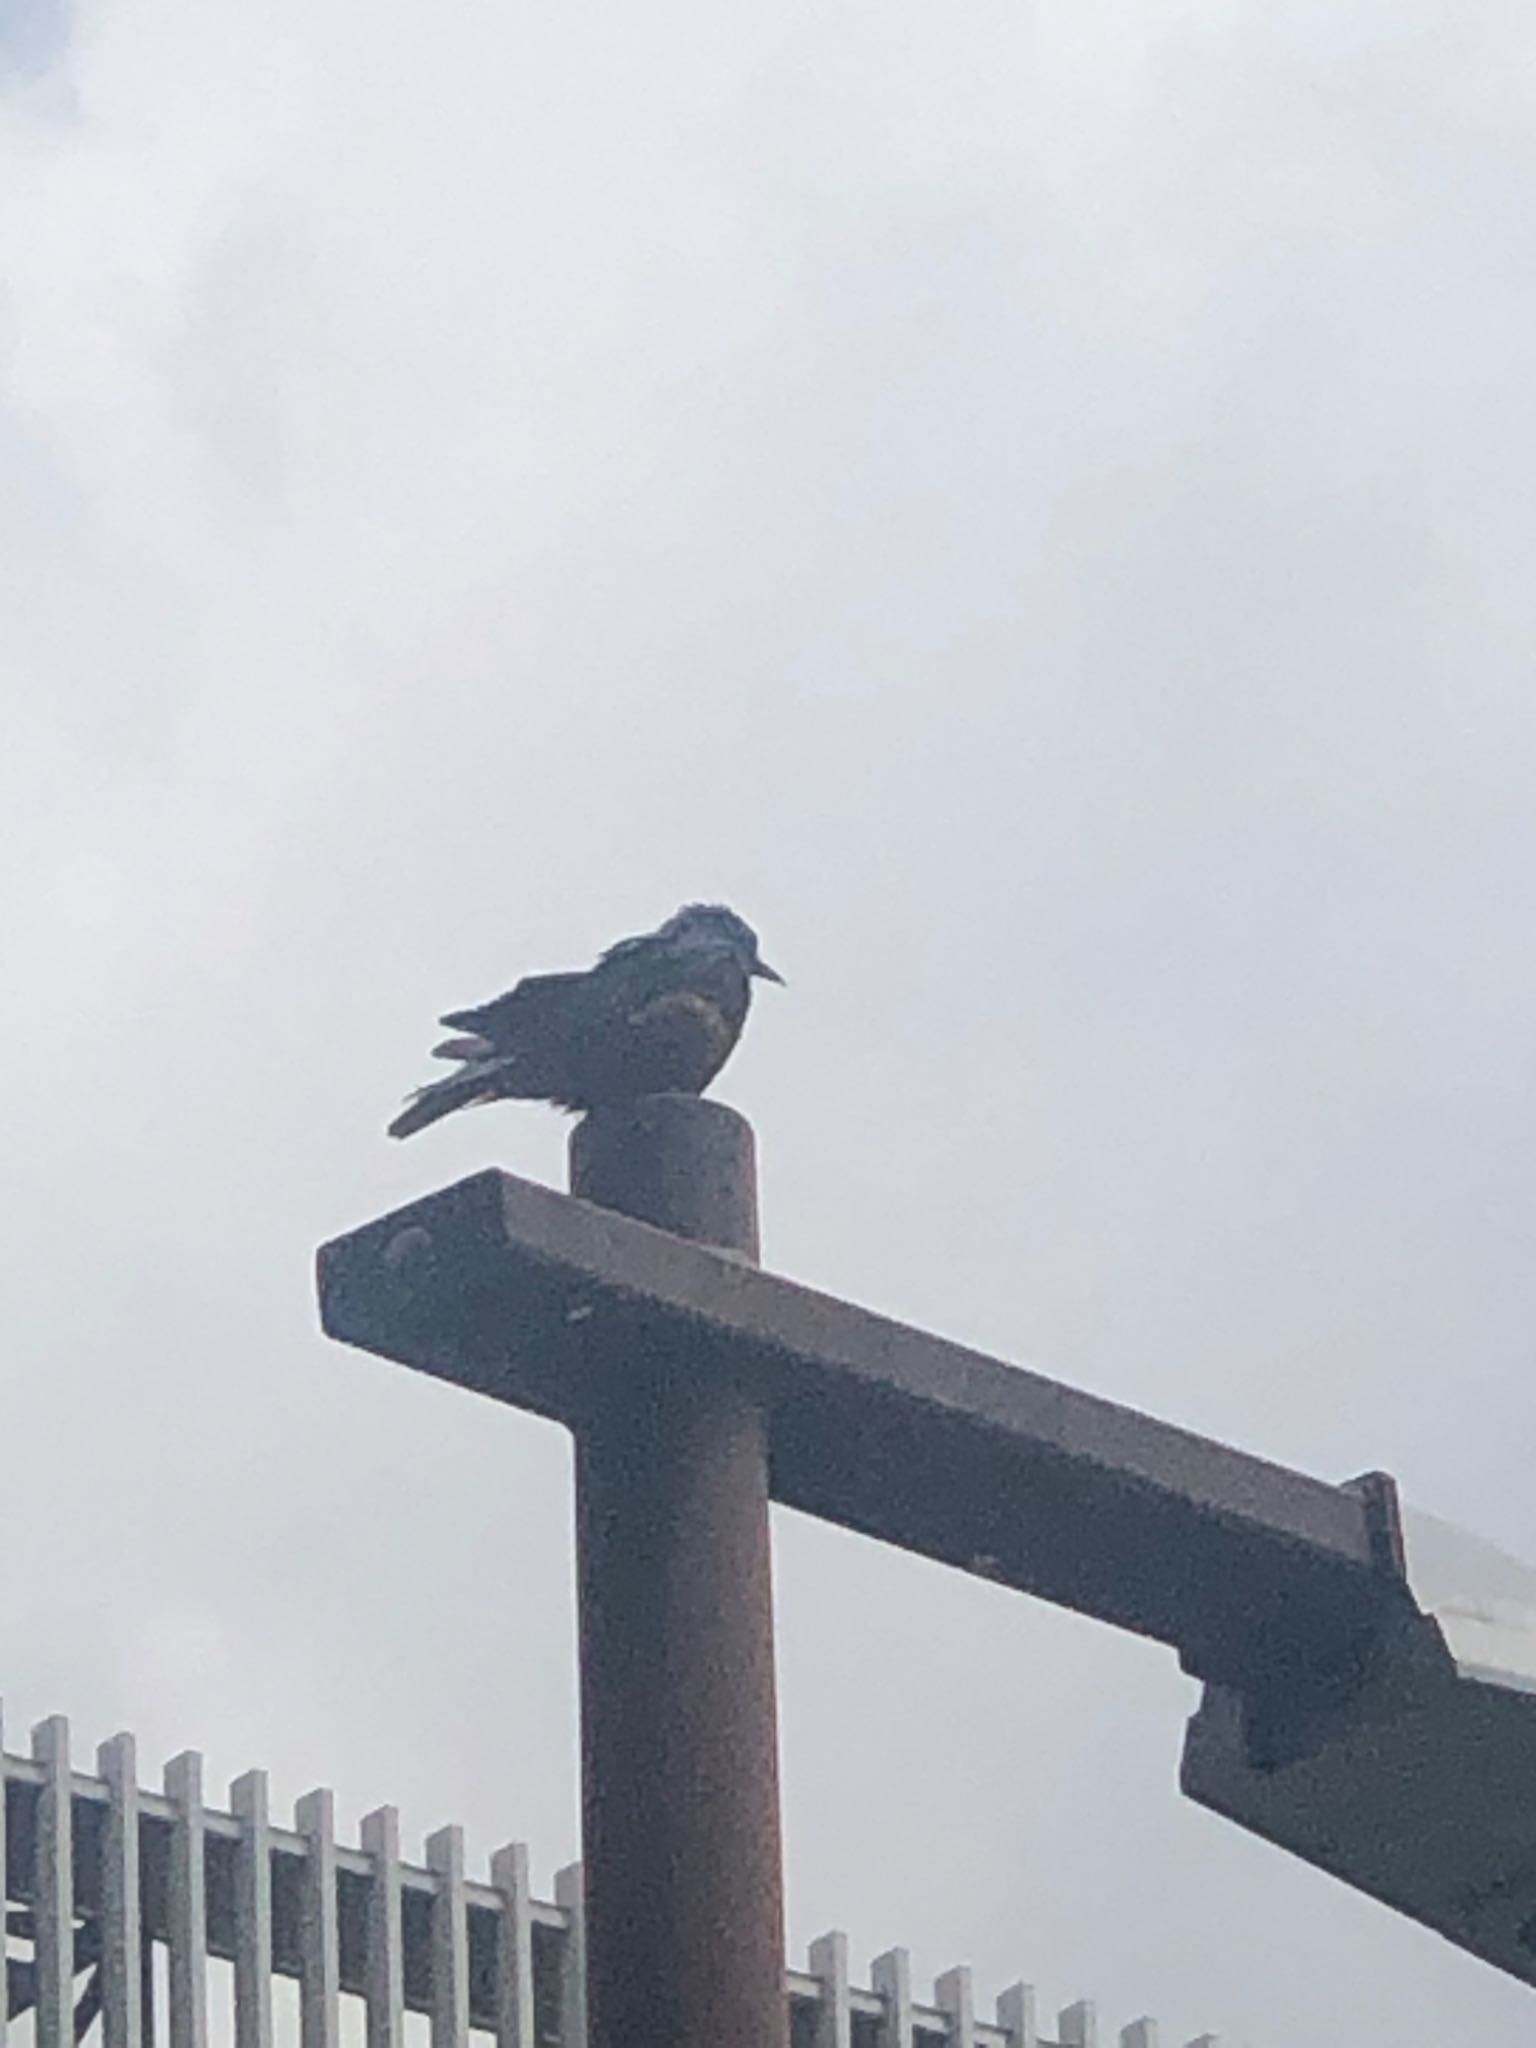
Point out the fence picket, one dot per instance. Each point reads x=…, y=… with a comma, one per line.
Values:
x=514, y=1948
x=1078, y=2025
x=187, y=1904
x=956, y=1999
x=573, y=1963
x=122, y=1945
x=891, y=1977
x=319, y=1950
x=450, y=1940
x=53, y=1888
x=383, y=1975
x=1016, y=2016
x=834, y=2013
x=253, y=1912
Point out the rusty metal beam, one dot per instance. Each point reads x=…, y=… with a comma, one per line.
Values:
x=1261, y=1577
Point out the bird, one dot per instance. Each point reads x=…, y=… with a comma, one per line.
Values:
x=658, y=1014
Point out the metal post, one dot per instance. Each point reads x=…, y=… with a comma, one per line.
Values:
x=679, y=1746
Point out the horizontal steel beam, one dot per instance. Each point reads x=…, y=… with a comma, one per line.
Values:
x=1260, y=1577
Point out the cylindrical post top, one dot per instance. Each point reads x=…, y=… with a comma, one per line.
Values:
x=675, y=1161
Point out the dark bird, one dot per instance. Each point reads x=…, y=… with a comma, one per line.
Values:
x=659, y=1014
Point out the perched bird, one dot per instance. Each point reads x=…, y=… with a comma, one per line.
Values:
x=659, y=1014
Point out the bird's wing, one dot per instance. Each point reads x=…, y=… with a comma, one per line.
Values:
x=623, y=949
x=538, y=1002
x=633, y=973
x=652, y=1022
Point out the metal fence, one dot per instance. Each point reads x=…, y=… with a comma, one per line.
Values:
x=170, y=1924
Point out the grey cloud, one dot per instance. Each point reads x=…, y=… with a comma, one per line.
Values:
x=1035, y=509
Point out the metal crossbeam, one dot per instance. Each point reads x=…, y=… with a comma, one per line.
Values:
x=1376, y=1725
x=1260, y=1577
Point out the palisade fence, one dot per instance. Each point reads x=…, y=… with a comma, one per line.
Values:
x=169, y=1924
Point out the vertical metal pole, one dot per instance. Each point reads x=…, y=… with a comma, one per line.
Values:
x=679, y=1743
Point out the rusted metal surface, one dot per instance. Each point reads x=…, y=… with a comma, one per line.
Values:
x=680, y=1806
x=1260, y=1577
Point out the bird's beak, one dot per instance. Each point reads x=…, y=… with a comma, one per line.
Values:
x=766, y=973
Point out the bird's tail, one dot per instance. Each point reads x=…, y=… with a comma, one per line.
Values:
x=440, y=1098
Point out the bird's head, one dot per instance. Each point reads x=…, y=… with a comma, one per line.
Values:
x=711, y=928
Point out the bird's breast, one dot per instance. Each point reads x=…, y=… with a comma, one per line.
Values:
x=688, y=1018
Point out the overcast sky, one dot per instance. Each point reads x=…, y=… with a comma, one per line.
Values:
x=1032, y=504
